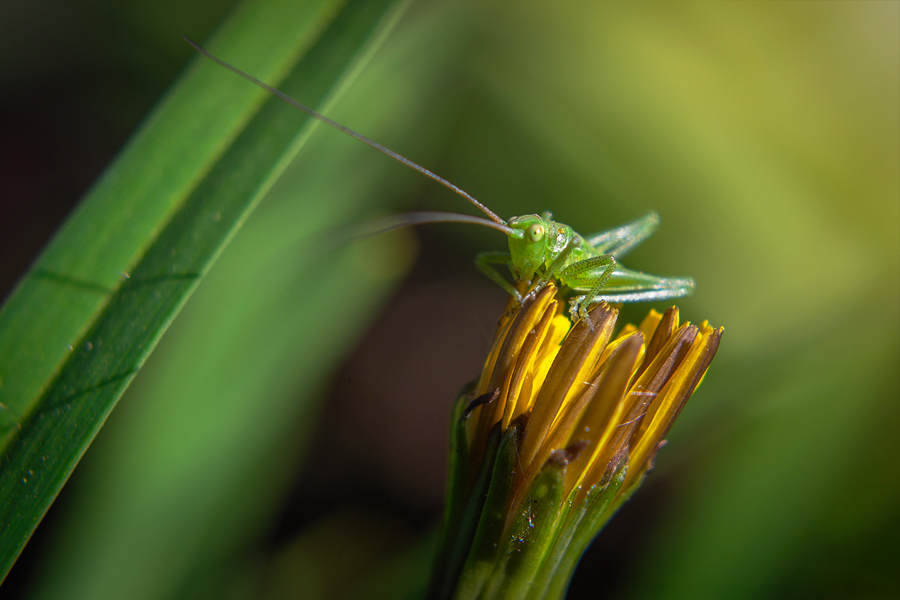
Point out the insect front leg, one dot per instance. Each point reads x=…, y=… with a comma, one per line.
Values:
x=578, y=271
x=484, y=261
x=552, y=270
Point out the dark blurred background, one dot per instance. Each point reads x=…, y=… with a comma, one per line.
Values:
x=767, y=135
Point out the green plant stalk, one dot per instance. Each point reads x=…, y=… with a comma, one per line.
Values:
x=458, y=540
x=488, y=553
x=582, y=526
x=531, y=536
x=483, y=549
x=457, y=490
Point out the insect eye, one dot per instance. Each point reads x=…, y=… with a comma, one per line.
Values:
x=535, y=233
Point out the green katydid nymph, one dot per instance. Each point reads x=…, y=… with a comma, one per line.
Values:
x=541, y=250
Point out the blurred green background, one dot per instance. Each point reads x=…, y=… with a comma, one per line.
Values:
x=289, y=430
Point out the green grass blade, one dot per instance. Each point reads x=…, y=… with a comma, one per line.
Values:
x=81, y=324
x=197, y=463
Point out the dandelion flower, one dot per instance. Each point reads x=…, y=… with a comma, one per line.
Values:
x=557, y=432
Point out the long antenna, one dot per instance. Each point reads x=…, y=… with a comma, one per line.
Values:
x=391, y=222
x=349, y=131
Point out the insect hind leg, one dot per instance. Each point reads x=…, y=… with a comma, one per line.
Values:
x=580, y=304
x=666, y=293
x=621, y=240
